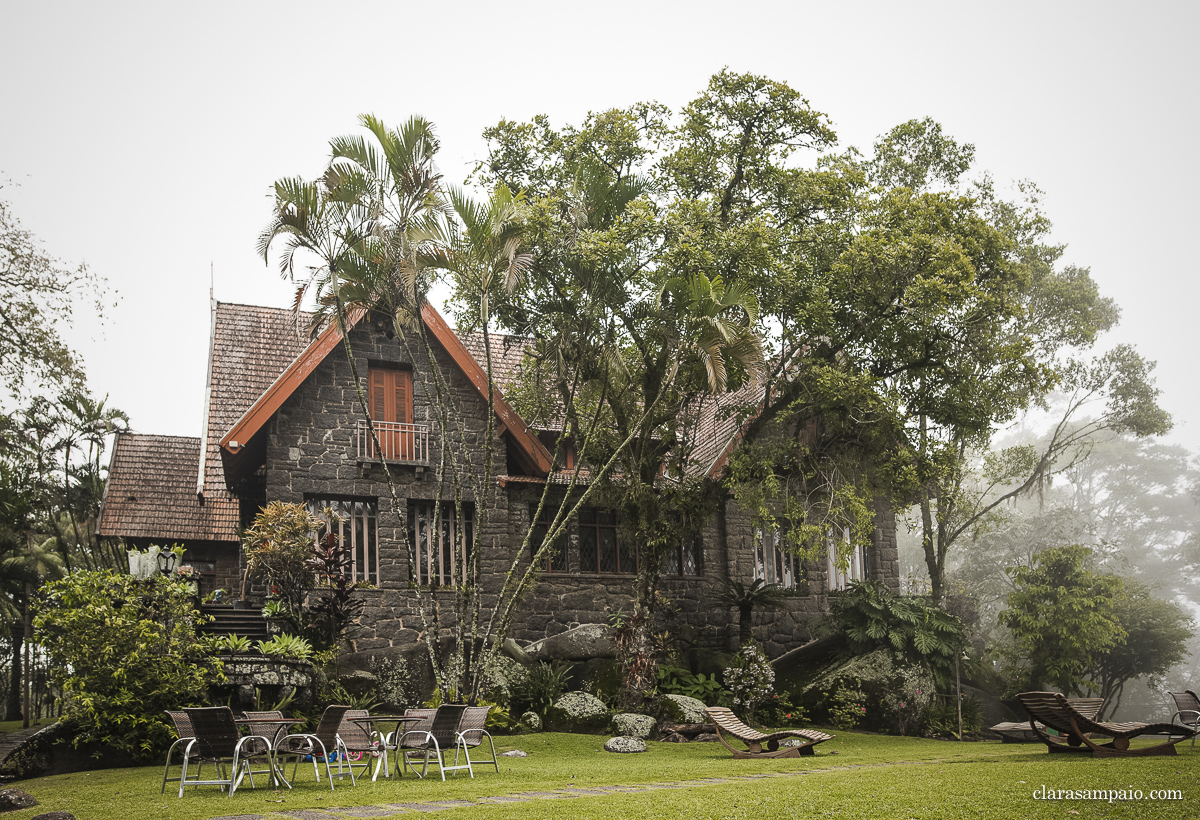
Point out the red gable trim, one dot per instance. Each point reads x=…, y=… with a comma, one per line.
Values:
x=530, y=451
x=269, y=402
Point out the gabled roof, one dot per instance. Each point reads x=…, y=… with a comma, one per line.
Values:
x=151, y=493
x=718, y=428
x=271, y=384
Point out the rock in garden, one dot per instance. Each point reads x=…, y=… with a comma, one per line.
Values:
x=54, y=815
x=514, y=753
x=682, y=709
x=577, y=712
x=532, y=721
x=578, y=644
x=631, y=724
x=13, y=799
x=625, y=745
x=707, y=737
x=672, y=737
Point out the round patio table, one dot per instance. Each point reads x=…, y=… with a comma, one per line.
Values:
x=370, y=721
x=276, y=773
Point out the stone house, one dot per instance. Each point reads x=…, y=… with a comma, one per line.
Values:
x=283, y=422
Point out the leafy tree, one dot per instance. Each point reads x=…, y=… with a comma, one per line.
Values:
x=37, y=298
x=368, y=238
x=1063, y=618
x=1156, y=635
x=122, y=651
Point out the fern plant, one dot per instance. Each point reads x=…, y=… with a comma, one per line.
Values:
x=870, y=615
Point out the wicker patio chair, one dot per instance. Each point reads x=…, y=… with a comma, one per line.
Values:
x=472, y=731
x=435, y=742
x=358, y=739
x=729, y=726
x=1075, y=720
x=184, y=734
x=318, y=745
x=216, y=739
x=1187, y=706
x=272, y=732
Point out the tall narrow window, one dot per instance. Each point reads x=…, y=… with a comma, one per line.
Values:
x=354, y=521
x=856, y=565
x=555, y=559
x=392, y=412
x=600, y=547
x=772, y=563
x=441, y=546
x=685, y=559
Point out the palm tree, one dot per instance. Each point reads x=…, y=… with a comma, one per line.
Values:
x=86, y=422
x=33, y=565
x=745, y=599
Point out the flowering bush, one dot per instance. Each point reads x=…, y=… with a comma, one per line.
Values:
x=908, y=703
x=751, y=679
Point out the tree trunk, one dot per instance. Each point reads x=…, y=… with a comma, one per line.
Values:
x=28, y=630
x=12, y=709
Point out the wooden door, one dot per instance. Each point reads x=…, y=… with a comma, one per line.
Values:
x=391, y=410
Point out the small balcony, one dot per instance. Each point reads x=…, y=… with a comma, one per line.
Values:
x=401, y=443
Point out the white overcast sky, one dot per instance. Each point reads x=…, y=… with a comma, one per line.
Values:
x=143, y=138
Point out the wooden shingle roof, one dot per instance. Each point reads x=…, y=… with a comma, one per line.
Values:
x=252, y=346
x=151, y=493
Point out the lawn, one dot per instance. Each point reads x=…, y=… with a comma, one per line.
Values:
x=852, y=776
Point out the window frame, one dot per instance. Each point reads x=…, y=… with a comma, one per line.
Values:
x=540, y=528
x=361, y=522
x=390, y=401
x=590, y=521
x=856, y=570
x=693, y=544
x=770, y=561
x=420, y=513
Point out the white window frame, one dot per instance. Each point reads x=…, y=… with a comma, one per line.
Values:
x=856, y=568
x=357, y=522
x=437, y=563
x=772, y=563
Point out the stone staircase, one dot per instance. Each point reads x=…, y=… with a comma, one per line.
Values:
x=248, y=623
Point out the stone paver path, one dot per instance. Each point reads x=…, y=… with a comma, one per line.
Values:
x=386, y=809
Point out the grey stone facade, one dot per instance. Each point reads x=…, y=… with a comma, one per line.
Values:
x=311, y=454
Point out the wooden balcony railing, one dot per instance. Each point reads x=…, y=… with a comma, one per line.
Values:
x=405, y=443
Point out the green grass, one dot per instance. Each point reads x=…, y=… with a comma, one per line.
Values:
x=870, y=776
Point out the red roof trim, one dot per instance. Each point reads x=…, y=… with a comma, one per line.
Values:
x=530, y=451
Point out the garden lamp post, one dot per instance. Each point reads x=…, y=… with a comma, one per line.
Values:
x=167, y=559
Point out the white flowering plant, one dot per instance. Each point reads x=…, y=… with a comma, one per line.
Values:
x=751, y=679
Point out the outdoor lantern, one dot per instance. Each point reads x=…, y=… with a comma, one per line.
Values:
x=167, y=560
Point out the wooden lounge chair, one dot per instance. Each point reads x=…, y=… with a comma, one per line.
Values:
x=1074, y=720
x=729, y=726
x=1187, y=709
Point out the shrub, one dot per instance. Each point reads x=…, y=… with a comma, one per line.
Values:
x=675, y=680
x=751, y=680
x=123, y=650
x=894, y=692
x=286, y=646
x=846, y=708
x=543, y=684
x=394, y=687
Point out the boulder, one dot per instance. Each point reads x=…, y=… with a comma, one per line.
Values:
x=15, y=799
x=625, y=745
x=707, y=737
x=579, y=644
x=54, y=815
x=514, y=650
x=630, y=724
x=532, y=721
x=682, y=709
x=577, y=712
x=514, y=753
x=672, y=737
